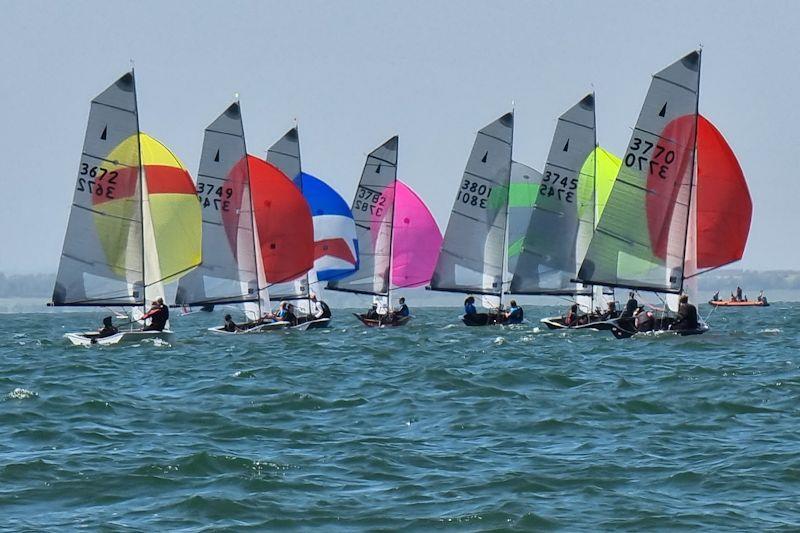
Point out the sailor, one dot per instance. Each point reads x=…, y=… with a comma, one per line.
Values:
x=158, y=315
x=715, y=298
x=573, y=317
x=686, y=318
x=402, y=309
x=644, y=320
x=514, y=315
x=469, y=306
x=611, y=312
x=230, y=325
x=372, y=312
x=319, y=309
x=631, y=306
x=738, y=294
x=108, y=328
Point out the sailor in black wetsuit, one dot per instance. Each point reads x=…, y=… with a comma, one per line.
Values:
x=230, y=325
x=630, y=307
x=158, y=315
x=686, y=319
x=108, y=328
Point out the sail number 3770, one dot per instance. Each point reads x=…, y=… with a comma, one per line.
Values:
x=653, y=157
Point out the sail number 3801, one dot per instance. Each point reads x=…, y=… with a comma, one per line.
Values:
x=471, y=193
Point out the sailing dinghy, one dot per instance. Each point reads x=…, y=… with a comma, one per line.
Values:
x=665, y=222
x=134, y=224
x=231, y=271
x=474, y=254
x=334, y=246
x=398, y=239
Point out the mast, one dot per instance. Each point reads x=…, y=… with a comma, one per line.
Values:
x=141, y=188
x=694, y=162
x=300, y=186
x=256, y=253
x=391, y=234
x=595, y=214
x=504, y=263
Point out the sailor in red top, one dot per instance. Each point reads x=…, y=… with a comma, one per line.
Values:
x=158, y=315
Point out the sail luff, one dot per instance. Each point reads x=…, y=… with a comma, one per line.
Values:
x=692, y=174
x=140, y=184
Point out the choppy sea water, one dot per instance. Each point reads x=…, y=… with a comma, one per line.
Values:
x=431, y=426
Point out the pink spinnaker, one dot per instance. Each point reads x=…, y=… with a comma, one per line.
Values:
x=416, y=239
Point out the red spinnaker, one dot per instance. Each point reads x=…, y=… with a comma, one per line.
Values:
x=283, y=219
x=724, y=208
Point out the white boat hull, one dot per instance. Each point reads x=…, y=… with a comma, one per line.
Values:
x=90, y=338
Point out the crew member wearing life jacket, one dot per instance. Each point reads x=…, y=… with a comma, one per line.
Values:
x=158, y=315
x=687, y=315
x=402, y=309
x=319, y=309
x=514, y=315
x=631, y=306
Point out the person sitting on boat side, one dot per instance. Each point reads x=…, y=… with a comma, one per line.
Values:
x=573, y=317
x=230, y=325
x=319, y=309
x=715, y=298
x=402, y=309
x=469, y=306
x=372, y=312
x=108, y=328
x=158, y=315
x=610, y=312
x=686, y=318
x=514, y=315
x=761, y=298
x=644, y=320
x=631, y=306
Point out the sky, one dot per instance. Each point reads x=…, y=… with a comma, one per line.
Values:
x=354, y=73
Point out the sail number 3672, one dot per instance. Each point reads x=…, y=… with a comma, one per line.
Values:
x=98, y=181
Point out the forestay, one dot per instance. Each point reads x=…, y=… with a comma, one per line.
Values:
x=472, y=258
x=640, y=239
x=373, y=211
x=228, y=273
x=102, y=261
x=549, y=258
